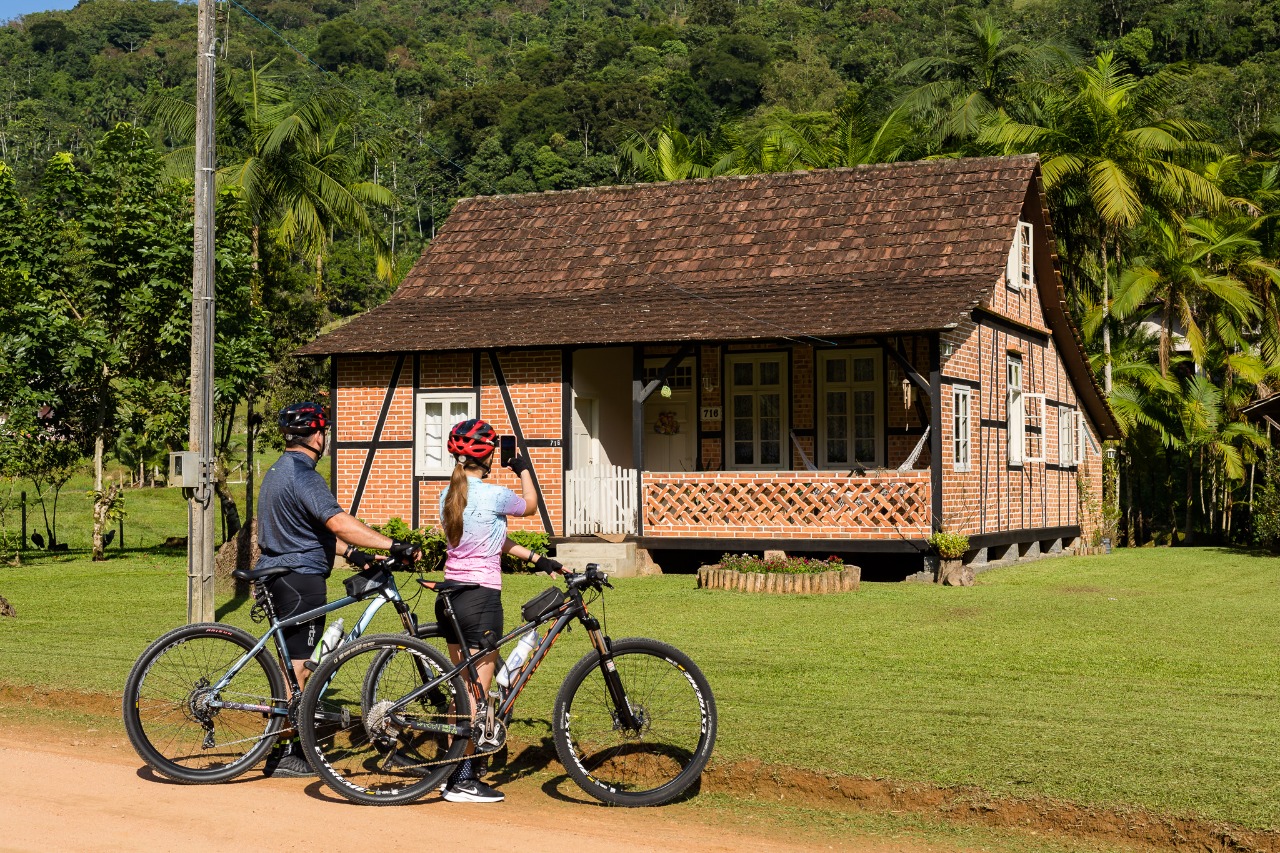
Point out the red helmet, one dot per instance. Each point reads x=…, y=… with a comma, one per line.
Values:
x=473, y=438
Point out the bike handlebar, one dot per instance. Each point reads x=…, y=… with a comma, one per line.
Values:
x=591, y=576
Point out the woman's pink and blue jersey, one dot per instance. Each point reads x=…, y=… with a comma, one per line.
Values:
x=477, y=558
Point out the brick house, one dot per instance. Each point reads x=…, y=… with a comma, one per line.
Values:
x=834, y=361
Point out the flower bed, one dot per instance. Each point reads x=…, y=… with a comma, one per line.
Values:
x=845, y=579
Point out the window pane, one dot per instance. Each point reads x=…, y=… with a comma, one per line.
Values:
x=770, y=405
x=742, y=407
x=459, y=410
x=433, y=433
x=770, y=372
x=744, y=373
x=864, y=369
x=770, y=452
x=865, y=449
x=837, y=369
x=837, y=403
x=742, y=453
x=837, y=451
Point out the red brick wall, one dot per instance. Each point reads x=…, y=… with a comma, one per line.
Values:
x=534, y=382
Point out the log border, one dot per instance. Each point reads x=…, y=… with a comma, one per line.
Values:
x=774, y=583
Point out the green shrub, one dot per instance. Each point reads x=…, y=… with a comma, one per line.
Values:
x=1266, y=503
x=429, y=539
x=949, y=546
x=533, y=540
x=432, y=542
x=784, y=566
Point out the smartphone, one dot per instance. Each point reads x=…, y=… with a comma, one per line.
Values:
x=506, y=449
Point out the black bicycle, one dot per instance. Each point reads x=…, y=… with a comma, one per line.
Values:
x=205, y=702
x=384, y=719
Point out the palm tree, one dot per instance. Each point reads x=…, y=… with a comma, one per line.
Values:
x=1110, y=149
x=1188, y=276
x=850, y=136
x=666, y=154
x=962, y=93
x=300, y=165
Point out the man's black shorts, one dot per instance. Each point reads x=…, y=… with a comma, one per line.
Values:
x=292, y=594
x=479, y=610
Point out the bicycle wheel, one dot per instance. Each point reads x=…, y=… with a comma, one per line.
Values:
x=671, y=700
x=169, y=710
x=361, y=747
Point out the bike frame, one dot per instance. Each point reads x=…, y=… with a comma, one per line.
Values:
x=389, y=594
x=573, y=609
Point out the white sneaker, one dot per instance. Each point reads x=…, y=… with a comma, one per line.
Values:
x=472, y=791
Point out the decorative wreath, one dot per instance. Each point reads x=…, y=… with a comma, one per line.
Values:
x=666, y=424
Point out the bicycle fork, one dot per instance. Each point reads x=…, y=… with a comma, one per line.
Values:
x=609, y=670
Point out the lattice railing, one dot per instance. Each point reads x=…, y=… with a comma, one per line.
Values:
x=787, y=503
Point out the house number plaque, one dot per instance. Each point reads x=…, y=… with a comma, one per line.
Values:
x=711, y=413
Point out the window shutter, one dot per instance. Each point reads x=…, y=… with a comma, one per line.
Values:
x=1011, y=274
x=1026, y=270
x=1033, y=431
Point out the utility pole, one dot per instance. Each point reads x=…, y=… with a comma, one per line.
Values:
x=200, y=506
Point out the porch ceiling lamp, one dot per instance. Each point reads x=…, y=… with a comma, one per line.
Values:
x=708, y=384
x=665, y=391
x=1111, y=452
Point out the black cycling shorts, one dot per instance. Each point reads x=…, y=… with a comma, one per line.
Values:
x=292, y=594
x=478, y=610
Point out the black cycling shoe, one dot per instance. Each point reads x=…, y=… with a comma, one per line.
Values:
x=286, y=761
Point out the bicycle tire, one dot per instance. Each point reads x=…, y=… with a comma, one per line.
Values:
x=667, y=756
x=361, y=753
x=167, y=717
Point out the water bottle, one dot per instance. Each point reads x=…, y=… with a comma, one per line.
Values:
x=329, y=642
x=528, y=642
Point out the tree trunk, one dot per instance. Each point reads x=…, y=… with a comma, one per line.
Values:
x=103, y=501
x=1106, y=323
x=251, y=430
x=1191, y=496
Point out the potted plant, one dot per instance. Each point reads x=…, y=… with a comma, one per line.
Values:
x=950, y=549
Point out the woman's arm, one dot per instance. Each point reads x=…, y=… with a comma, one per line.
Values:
x=542, y=562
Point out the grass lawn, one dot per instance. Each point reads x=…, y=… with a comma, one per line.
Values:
x=1144, y=678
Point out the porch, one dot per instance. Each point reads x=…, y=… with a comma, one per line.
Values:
x=753, y=505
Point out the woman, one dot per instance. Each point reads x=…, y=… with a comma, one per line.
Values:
x=474, y=517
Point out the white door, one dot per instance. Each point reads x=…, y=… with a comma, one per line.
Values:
x=586, y=432
x=669, y=433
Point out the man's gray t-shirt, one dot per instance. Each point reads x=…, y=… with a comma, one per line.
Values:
x=293, y=505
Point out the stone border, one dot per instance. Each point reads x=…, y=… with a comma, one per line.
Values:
x=845, y=580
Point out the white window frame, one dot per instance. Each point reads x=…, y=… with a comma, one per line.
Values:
x=1035, y=410
x=422, y=466
x=1015, y=410
x=961, y=438
x=1020, y=273
x=875, y=385
x=1068, y=439
x=784, y=404
x=1083, y=439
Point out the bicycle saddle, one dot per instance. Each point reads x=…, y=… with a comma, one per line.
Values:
x=447, y=587
x=260, y=574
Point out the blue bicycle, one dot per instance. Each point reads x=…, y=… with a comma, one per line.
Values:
x=205, y=702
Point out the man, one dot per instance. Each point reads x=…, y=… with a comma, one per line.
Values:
x=300, y=526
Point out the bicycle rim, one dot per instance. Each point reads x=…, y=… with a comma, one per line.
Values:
x=656, y=763
x=171, y=712
x=363, y=750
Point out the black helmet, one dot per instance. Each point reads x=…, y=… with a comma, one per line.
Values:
x=303, y=419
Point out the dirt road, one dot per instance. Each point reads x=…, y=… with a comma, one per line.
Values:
x=74, y=792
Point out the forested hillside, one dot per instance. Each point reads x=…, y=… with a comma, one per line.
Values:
x=1158, y=122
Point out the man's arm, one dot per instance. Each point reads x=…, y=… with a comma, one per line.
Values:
x=354, y=532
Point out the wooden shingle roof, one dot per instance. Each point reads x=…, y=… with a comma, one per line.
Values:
x=895, y=248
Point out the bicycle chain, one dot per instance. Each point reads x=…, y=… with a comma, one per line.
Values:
x=436, y=763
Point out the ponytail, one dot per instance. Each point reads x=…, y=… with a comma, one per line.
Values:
x=454, y=503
